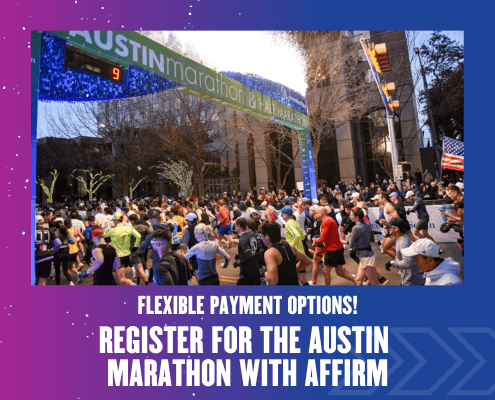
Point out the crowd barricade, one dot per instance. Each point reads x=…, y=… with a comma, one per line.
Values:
x=436, y=220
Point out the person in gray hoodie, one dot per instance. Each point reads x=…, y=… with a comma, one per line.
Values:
x=410, y=273
x=437, y=271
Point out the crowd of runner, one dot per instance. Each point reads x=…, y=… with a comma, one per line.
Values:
x=279, y=236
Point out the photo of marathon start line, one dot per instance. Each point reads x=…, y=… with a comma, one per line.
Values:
x=292, y=240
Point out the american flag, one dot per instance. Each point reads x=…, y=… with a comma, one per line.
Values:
x=453, y=154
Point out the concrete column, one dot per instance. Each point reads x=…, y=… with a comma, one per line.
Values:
x=243, y=162
x=260, y=156
x=345, y=152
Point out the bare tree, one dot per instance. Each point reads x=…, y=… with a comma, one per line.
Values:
x=338, y=91
x=49, y=190
x=187, y=128
x=113, y=140
x=92, y=181
x=272, y=144
x=180, y=173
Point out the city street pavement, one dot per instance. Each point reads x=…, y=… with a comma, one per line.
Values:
x=229, y=275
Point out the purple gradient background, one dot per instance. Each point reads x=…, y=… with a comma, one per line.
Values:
x=45, y=356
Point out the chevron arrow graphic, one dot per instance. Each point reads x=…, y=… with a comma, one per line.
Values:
x=421, y=361
x=481, y=361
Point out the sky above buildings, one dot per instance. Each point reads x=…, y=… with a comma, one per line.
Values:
x=263, y=53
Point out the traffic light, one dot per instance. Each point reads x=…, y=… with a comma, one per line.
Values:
x=379, y=57
x=394, y=105
x=389, y=89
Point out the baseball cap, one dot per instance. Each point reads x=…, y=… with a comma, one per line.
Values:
x=264, y=204
x=397, y=223
x=409, y=194
x=291, y=198
x=117, y=216
x=424, y=247
x=459, y=204
x=287, y=210
x=242, y=206
x=191, y=217
x=285, y=201
x=394, y=194
x=355, y=195
x=374, y=198
x=134, y=207
x=39, y=219
x=315, y=201
x=81, y=204
x=224, y=193
x=96, y=232
x=460, y=185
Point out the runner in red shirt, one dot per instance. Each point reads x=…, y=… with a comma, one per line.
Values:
x=224, y=224
x=329, y=241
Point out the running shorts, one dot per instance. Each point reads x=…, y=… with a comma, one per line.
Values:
x=422, y=225
x=225, y=230
x=365, y=262
x=125, y=261
x=334, y=258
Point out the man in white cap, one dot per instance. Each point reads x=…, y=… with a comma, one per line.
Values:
x=437, y=271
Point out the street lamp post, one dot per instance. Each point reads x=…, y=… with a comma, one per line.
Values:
x=379, y=62
x=433, y=130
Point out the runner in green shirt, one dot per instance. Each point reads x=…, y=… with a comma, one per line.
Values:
x=120, y=236
x=294, y=236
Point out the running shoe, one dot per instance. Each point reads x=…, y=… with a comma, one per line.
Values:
x=383, y=281
x=80, y=266
x=355, y=276
x=366, y=281
x=79, y=278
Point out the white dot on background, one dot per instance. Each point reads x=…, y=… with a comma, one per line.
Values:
x=27, y=180
x=103, y=8
x=23, y=28
x=190, y=13
x=23, y=233
x=87, y=315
